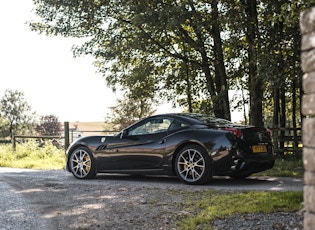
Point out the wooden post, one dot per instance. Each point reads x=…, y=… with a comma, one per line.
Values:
x=66, y=134
x=14, y=143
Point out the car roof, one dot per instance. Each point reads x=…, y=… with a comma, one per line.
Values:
x=197, y=118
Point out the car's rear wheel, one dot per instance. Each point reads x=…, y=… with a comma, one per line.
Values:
x=193, y=165
x=82, y=163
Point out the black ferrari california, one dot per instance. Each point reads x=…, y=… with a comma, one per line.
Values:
x=194, y=147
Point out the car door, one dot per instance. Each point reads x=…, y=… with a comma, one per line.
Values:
x=142, y=146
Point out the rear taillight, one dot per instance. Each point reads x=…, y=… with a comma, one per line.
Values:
x=238, y=133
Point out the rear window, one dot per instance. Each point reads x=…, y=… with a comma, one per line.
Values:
x=177, y=124
x=207, y=119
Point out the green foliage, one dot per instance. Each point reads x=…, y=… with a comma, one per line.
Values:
x=15, y=113
x=215, y=205
x=285, y=168
x=49, y=125
x=143, y=45
x=190, y=52
x=4, y=124
x=29, y=155
x=129, y=110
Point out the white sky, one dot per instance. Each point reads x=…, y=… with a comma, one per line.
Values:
x=43, y=68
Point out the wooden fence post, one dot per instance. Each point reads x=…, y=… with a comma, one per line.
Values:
x=66, y=134
x=14, y=143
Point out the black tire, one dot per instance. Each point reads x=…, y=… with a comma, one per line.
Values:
x=193, y=165
x=82, y=163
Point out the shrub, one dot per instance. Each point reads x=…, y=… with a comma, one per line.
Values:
x=30, y=155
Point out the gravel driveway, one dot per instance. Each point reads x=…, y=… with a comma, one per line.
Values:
x=39, y=199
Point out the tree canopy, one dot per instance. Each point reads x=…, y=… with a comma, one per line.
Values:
x=15, y=113
x=127, y=111
x=190, y=52
x=49, y=125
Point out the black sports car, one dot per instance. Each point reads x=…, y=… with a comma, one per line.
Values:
x=192, y=146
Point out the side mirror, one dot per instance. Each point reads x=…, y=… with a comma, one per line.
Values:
x=123, y=133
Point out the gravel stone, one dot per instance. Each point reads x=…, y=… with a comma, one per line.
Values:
x=281, y=220
x=17, y=213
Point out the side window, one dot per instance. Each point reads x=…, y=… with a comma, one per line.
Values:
x=154, y=125
x=177, y=124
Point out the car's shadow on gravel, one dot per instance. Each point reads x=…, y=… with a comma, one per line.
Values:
x=137, y=178
x=251, y=183
x=218, y=182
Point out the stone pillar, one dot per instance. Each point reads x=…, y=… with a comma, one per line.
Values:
x=307, y=25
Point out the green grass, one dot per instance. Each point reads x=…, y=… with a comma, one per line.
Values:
x=285, y=168
x=215, y=205
x=29, y=155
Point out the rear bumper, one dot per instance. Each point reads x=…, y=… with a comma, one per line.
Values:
x=247, y=166
x=254, y=166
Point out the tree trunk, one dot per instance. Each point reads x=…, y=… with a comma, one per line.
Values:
x=281, y=73
x=218, y=112
x=295, y=142
x=220, y=73
x=282, y=116
x=255, y=83
x=217, y=85
x=276, y=111
x=188, y=89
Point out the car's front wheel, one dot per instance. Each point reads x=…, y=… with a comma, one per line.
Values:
x=193, y=165
x=82, y=164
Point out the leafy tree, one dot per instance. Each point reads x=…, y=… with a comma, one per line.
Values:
x=127, y=111
x=4, y=131
x=16, y=112
x=128, y=38
x=49, y=125
x=190, y=52
x=277, y=56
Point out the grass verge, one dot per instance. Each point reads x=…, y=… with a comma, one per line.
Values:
x=29, y=155
x=285, y=168
x=215, y=205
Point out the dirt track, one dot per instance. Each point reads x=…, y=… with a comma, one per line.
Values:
x=35, y=199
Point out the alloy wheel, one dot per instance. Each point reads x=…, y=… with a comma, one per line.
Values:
x=191, y=165
x=81, y=163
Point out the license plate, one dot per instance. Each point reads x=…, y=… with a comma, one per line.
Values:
x=259, y=148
